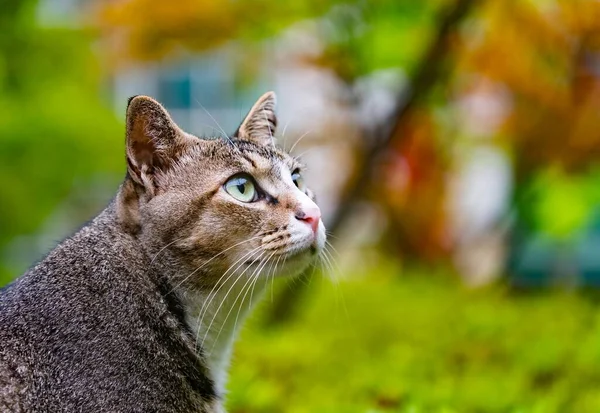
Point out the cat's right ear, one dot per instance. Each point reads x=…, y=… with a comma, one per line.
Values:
x=153, y=142
x=260, y=123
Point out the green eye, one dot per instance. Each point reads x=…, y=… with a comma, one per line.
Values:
x=241, y=188
x=298, y=180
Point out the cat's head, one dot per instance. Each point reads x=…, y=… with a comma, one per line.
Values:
x=205, y=207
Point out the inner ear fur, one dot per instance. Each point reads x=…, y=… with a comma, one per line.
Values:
x=153, y=140
x=260, y=123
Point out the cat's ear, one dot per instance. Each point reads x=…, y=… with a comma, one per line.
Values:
x=260, y=123
x=154, y=141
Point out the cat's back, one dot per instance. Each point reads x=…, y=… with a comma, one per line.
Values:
x=73, y=290
x=88, y=329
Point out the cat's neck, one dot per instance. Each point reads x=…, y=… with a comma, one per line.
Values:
x=215, y=316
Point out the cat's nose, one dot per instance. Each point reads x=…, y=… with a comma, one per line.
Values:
x=310, y=215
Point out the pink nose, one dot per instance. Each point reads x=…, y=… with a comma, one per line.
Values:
x=310, y=215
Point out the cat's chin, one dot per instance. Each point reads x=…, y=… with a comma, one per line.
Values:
x=289, y=264
x=296, y=262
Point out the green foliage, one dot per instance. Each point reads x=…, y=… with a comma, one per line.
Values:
x=576, y=197
x=54, y=126
x=398, y=33
x=423, y=344
x=358, y=37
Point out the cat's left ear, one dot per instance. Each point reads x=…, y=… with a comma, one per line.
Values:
x=260, y=123
x=153, y=142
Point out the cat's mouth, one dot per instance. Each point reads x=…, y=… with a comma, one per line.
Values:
x=287, y=256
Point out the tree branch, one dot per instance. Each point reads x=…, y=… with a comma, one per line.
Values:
x=427, y=73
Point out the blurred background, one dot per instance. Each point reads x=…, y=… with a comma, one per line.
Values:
x=454, y=146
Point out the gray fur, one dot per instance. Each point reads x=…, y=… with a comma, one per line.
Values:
x=106, y=322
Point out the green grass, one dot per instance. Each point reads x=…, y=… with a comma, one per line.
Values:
x=422, y=344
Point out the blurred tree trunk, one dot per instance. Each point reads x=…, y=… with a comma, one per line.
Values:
x=427, y=73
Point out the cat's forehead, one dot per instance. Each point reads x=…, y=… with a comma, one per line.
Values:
x=248, y=155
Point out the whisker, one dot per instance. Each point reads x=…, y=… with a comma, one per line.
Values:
x=272, y=269
x=297, y=157
x=258, y=274
x=330, y=245
x=252, y=285
x=340, y=297
x=298, y=141
x=331, y=234
x=165, y=247
x=231, y=307
x=211, y=127
x=248, y=283
x=283, y=135
x=214, y=120
x=237, y=264
x=334, y=272
x=212, y=258
x=335, y=268
x=273, y=276
x=212, y=294
x=324, y=261
x=232, y=270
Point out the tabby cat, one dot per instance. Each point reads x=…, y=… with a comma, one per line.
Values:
x=137, y=312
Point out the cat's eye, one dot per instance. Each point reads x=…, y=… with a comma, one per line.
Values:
x=242, y=188
x=298, y=180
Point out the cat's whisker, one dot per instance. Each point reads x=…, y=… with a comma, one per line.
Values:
x=164, y=248
x=298, y=141
x=314, y=268
x=275, y=268
x=254, y=279
x=209, y=300
x=327, y=257
x=218, y=285
x=330, y=265
x=272, y=269
x=214, y=120
x=267, y=261
x=252, y=255
x=273, y=276
x=329, y=250
x=339, y=296
x=283, y=136
x=338, y=269
x=248, y=283
x=327, y=267
x=330, y=234
x=323, y=261
x=271, y=273
x=223, y=302
x=211, y=127
x=297, y=157
x=332, y=247
x=211, y=259
x=239, y=310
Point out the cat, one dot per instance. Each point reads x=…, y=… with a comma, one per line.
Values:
x=137, y=312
